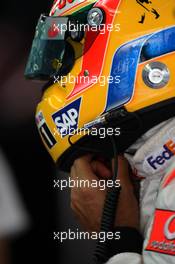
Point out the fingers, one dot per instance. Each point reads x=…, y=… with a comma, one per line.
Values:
x=123, y=169
x=87, y=168
x=101, y=170
x=82, y=168
x=123, y=174
x=87, y=202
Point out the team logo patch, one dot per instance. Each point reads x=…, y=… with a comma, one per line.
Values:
x=162, y=237
x=66, y=119
x=44, y=130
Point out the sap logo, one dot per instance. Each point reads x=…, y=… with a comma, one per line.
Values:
x=66, y=119
x=167, y=153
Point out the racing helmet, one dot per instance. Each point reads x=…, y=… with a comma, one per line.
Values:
x=108, y=66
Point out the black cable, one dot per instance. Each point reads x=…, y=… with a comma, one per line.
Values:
x=110, y=205
x=109, y=211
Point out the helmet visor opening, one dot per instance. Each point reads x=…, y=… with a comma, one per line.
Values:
x=58, y=42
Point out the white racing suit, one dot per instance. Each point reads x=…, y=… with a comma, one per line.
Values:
x=152, y=158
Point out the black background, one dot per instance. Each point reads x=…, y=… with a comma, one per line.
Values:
x=32, y=167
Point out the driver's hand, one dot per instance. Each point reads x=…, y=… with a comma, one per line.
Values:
x=88, y=203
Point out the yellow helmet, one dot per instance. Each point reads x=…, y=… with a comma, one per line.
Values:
x=110, y=68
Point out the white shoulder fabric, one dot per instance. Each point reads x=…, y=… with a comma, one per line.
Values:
x=13, y=217
x=126, y=258
x=151, y=158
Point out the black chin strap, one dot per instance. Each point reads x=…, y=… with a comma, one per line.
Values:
x=132, y=126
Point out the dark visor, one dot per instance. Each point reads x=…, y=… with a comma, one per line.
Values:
x=58, y=42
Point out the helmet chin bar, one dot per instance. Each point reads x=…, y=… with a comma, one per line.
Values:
x=132, y=125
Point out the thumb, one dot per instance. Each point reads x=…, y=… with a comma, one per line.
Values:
x=100, y=169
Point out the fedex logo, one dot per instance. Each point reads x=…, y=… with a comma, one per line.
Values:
x=155, y=161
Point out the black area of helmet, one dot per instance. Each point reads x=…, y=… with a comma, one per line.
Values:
x=68, y=60
x=133, y=126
